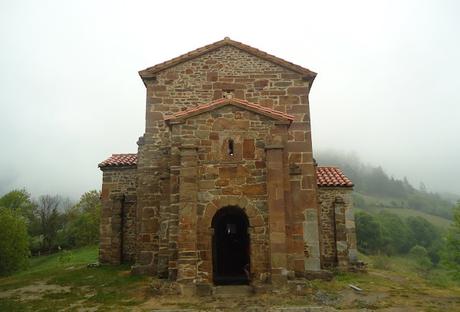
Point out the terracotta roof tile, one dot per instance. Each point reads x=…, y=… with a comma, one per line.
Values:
x=119, y=160
x=151, y=71
x=331, y=176
x=237, y=102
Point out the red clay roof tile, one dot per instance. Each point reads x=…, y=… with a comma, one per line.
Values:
x=331, y=176
x=119, y=160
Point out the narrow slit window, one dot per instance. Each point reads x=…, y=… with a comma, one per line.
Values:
x=230, y=149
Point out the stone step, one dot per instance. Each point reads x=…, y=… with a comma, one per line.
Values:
x=233, y=290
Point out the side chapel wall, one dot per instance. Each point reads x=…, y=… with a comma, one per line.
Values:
x=337, y=227
x=118, y=219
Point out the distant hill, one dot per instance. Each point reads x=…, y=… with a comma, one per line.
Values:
x=375, y=189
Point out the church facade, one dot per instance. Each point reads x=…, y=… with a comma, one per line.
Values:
x=223, y=188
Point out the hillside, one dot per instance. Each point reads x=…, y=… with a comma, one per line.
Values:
x=375, y=189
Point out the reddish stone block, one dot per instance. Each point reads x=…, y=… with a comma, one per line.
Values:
x=289, y=100
x=212, y=76
x=254, y=189
x=172, y=75
x=214, y=136
x=298, y=147
x=260, y=164
x=156, y=100
x=248, y=149
x=227, y=172
x=299, y=136
x=298, y=109
x=227, y=86
x=297, y=90
x=157, y=88
x=260, y=84
x=222, y=182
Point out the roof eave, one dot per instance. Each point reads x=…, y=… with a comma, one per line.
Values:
x=337, y=186
x=109, y=167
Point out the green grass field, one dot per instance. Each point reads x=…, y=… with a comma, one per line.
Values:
x=61, y=280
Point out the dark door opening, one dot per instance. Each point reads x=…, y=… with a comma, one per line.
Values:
x=231, y=263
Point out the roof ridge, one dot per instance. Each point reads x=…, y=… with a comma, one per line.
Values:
x=152, y=70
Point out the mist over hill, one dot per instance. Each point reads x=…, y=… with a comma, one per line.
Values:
x=376, y=188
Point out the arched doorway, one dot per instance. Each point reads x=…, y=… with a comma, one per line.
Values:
x=230, y=252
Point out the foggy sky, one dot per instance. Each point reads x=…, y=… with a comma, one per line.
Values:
x=387, y=87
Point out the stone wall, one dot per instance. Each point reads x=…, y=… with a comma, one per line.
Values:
x=337, y=227
x=118, y=216
x=223, y=179
x=226, y=70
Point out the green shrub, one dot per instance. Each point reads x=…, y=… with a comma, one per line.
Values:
x=451, y=253
x=381, y=262
x=420, y=255
x=65, y=256
x=14, y=242
x=368, y=233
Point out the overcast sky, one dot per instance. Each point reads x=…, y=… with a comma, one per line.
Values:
x=388, y=84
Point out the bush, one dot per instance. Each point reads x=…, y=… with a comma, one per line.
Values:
x=381, y=262
x=65, y=256
x=420, y=255
x=368, y=233
x=14, y=242
x=451, y=254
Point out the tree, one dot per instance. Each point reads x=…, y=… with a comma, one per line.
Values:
x=423, y=232
x=368, y=233
x=451, y=255
x=49, y=219
x=396, y=236
x=83, y=219
x=14, y=246
x=18, y=201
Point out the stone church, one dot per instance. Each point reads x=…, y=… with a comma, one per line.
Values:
x=223, y=188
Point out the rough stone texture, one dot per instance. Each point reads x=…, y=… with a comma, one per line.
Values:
x=118, y=219
x=185, y=174
x=338, y=238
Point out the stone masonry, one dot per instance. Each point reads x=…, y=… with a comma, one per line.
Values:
x=227, y=125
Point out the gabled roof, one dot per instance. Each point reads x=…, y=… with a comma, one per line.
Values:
x=325, y=176
x=150, y=72
x=119, y=160
x=332, y=177
x=256, y=108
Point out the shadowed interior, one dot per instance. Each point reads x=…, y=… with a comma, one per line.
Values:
x=231, y=263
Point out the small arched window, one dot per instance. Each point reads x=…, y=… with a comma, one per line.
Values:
x=230, y=147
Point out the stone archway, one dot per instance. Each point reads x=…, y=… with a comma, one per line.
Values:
x=257, y=232
x=231, y=247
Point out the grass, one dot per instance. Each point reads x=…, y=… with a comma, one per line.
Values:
x=62, y=282
x=63, y=279
x=399, y=284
